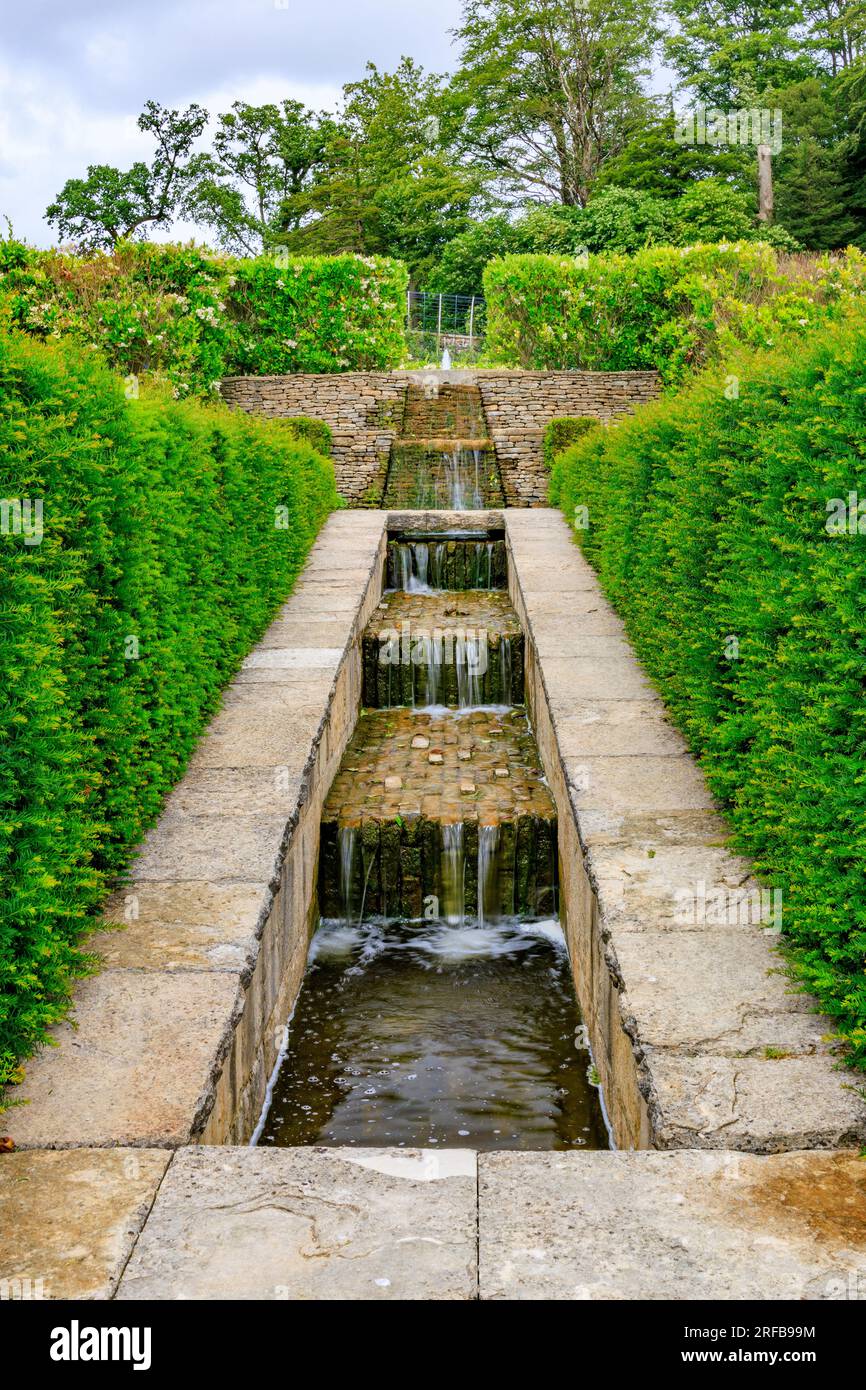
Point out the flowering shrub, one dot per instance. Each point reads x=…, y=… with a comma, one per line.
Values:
x=188, y=316
x=668, y=308
x=317, y=314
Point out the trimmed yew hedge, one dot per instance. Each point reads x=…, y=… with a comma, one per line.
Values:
x=563, y=431
x=171, y=533
x=708, y=521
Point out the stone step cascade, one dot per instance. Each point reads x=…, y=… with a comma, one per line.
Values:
x=418, y=563
x=443, y=649
x=431, y=806
x=441, y=795
x=443, y=457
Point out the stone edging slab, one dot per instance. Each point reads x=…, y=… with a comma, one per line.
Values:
x=390, y=1224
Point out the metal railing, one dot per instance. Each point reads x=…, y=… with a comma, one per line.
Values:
x=454, y=319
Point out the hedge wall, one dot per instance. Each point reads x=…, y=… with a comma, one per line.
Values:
x=667, y=308
x=163, y=557
x=708, y=525
x=316, y=314
x=191, y=316
x=564, y=431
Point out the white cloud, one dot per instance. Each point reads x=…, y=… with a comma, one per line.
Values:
x=73, y=79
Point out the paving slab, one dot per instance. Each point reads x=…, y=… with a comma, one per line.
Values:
x=672, y=1226
x=69, y=1218
x=266, y=733
x=136, y=1066
x=271, y=789
x=759, y=1105
x=742, y=1005
x=310, y=1224
x=182, y=925
x=213, y=847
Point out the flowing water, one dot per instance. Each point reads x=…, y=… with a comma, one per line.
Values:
x=453, y=1021
x=431, y=565
x=432, y=1033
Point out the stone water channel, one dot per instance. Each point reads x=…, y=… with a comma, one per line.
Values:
x=444, y=457
x=438, y=1006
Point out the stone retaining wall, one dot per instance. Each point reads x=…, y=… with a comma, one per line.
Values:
x=363, y=409
x=518, y=406
x=365, y=412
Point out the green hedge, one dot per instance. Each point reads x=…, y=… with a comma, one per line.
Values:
x=667, y=308
x=162, y=559
x=559, y=434
x=708, y=518
x=316, y=314
x=189, y=316
x=313, y=432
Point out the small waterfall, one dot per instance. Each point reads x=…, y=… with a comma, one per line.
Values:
x=505, y=668
x=438, y=565
x=467, y=660
x=452, y=874
x=421, y=556
x=434, y=670
x=404, y=557
x=461, y=480
x=454, y=481
x=490, y=564
x=346, y=836
x=488, y=874
x=478, y=497
x=477, y=552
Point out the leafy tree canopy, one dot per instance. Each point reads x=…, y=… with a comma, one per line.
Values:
x=110, y=204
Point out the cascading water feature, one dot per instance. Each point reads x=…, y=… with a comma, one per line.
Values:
x=452, y=898
x=489, y=900
x=428, y=565
x=346, y=836
x=469, y=654
x=444, y=458
x=438, y=1005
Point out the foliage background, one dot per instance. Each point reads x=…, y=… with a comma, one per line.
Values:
x=192, y=316
x=668, y=308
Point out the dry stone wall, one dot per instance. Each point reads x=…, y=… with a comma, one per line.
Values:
x=365, y=412
x=363, y=409
x=518, y=406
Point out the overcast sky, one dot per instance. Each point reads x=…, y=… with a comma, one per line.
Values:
x=74, y=74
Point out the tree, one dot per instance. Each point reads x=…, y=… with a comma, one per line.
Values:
x=815, y=193
x=110, y=204
x=263, y=159
x=713, y=211
x=461, y=264
x=837, y=29
x=723, y=50
x=388, y=181
x=625, y=219
x=548, y=89
x=654, y=161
